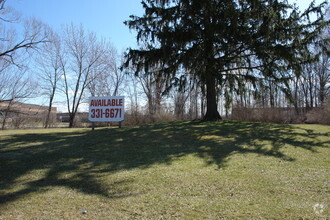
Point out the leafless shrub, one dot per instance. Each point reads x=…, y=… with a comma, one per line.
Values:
x=138, y=118
x=319, y=115
x=19, y=121
x=326, y=112
x=270, y=115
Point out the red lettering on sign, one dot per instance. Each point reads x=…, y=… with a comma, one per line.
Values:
x=106, y=102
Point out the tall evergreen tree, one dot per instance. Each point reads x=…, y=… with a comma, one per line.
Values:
x=214, y=39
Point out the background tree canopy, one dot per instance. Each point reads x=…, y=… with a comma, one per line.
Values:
x=225, y=42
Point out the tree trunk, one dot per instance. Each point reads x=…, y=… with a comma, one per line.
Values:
x=322, y=93
x=71, y=120
x=212, y=113
x=6, y=115
x=47, y=117
x=49, y=110
x=4, y=122
x=202, y=101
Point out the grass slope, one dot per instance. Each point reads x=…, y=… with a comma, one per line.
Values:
x=185, y=170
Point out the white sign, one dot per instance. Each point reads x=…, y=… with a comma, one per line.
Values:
x=110, y=108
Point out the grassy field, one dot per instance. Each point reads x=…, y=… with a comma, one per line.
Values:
x=179, y=170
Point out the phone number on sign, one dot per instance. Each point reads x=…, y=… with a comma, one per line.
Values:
x=106, y=113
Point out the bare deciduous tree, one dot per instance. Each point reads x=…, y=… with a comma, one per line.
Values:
x=49, y=65
x=14, y=87
x=107, y=77
x=322, y=70
x=12, y=46
x=84, y=54
x=153, y=84
x=14, y=51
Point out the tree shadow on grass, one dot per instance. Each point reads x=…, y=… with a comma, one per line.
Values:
x=77, y=159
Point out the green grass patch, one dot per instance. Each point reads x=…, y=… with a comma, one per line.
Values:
x=179, y=170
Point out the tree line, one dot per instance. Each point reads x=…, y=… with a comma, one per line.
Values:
x=228, y=45
x=196, y=59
